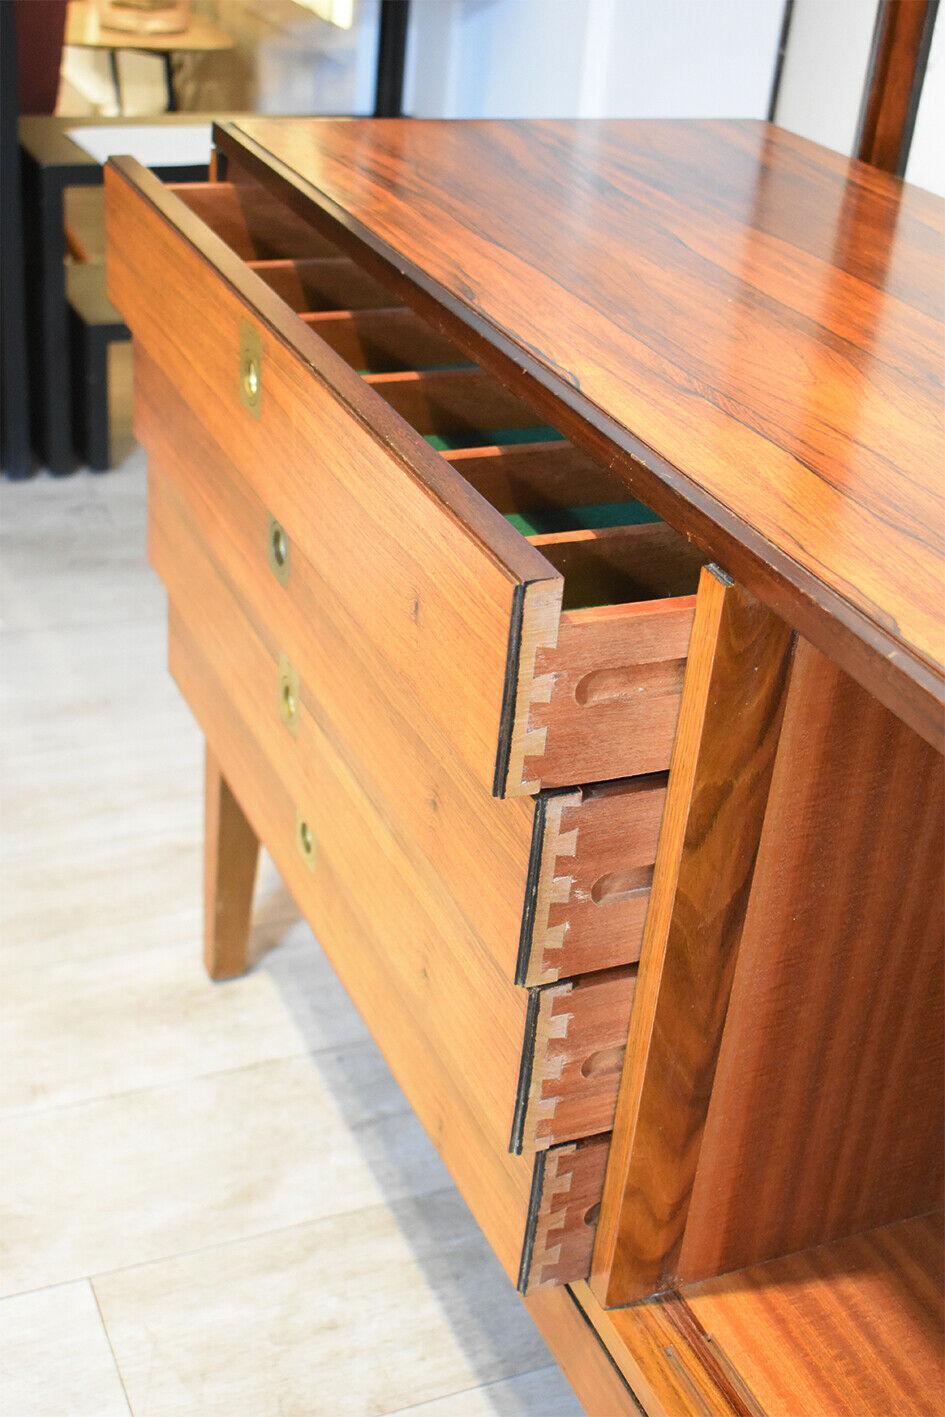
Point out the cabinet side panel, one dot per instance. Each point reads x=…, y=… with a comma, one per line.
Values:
x=729, y=722
x=826, y=1116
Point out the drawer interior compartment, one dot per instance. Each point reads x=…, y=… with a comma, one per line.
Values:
x=460, y=514
x=251, y=224
x=575, y=1039
x=322, y=283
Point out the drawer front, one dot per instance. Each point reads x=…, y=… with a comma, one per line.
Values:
x=457, y=614
x=540, y=1235
x=495, y=1185
x=476, y=1018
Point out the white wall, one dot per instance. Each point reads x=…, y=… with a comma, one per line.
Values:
x=926, y=165
x=825, y=70
x=591, y=58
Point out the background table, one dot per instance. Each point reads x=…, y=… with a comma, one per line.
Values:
x=202, y=36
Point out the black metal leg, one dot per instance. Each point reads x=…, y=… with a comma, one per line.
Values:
x=116, y=78
x=169, y=81
x=50, y=381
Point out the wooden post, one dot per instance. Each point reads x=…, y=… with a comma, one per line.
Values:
x=231, y=851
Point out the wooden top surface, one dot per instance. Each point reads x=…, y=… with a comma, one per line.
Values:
x=85, y=31
x=851, y=1329
x=748, y=325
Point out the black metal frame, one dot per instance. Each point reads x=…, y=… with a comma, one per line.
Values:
x=51, y=162
x=17, y=458
x=391, y=54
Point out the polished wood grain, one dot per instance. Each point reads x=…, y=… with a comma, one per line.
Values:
x=718, y=784
x=595, y=851
x=747, y=326
x=576, y=1034
x=231, y=854
x=826, y=1114
x=853, y=1329
x=663, y=1354
x=566, y=1194
x=894, y=82
x=467, y=843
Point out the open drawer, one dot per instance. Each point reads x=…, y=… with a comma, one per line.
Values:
x=513, y=604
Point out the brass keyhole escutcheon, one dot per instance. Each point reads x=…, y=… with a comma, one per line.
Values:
x=289, y=697
x=251, y=381
x=250, y=368
x=305, y=841
x=277, y=551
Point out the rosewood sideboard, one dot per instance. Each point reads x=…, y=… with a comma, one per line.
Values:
x=552, y=521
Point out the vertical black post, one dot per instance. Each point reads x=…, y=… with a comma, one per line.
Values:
x=391, y=52
x=17, y=459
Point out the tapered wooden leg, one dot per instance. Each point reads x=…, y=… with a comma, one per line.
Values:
x=231, y=850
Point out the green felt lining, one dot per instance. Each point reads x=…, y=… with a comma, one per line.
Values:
x=491, y=438
x=539, y=521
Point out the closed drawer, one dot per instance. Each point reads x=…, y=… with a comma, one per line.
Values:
x=473, y=617
x=535, y=1066
x=538, y=1212
x=553, y=885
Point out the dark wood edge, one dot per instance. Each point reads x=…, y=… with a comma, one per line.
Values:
x=907, y=684
x=517, y=1139
x=507, y=713
x=504, y=546
x=526, y=932
x=902, y=38
x=723, y=1373
x=531, y=1220
x=603, y=1346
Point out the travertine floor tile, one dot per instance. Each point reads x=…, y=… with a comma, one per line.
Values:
x=72, y=551
x=541, y=1392
x=148, y=1174
x=153, y=1115
x=152, y=1017
x=360, y=1316
x=54, y=1356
